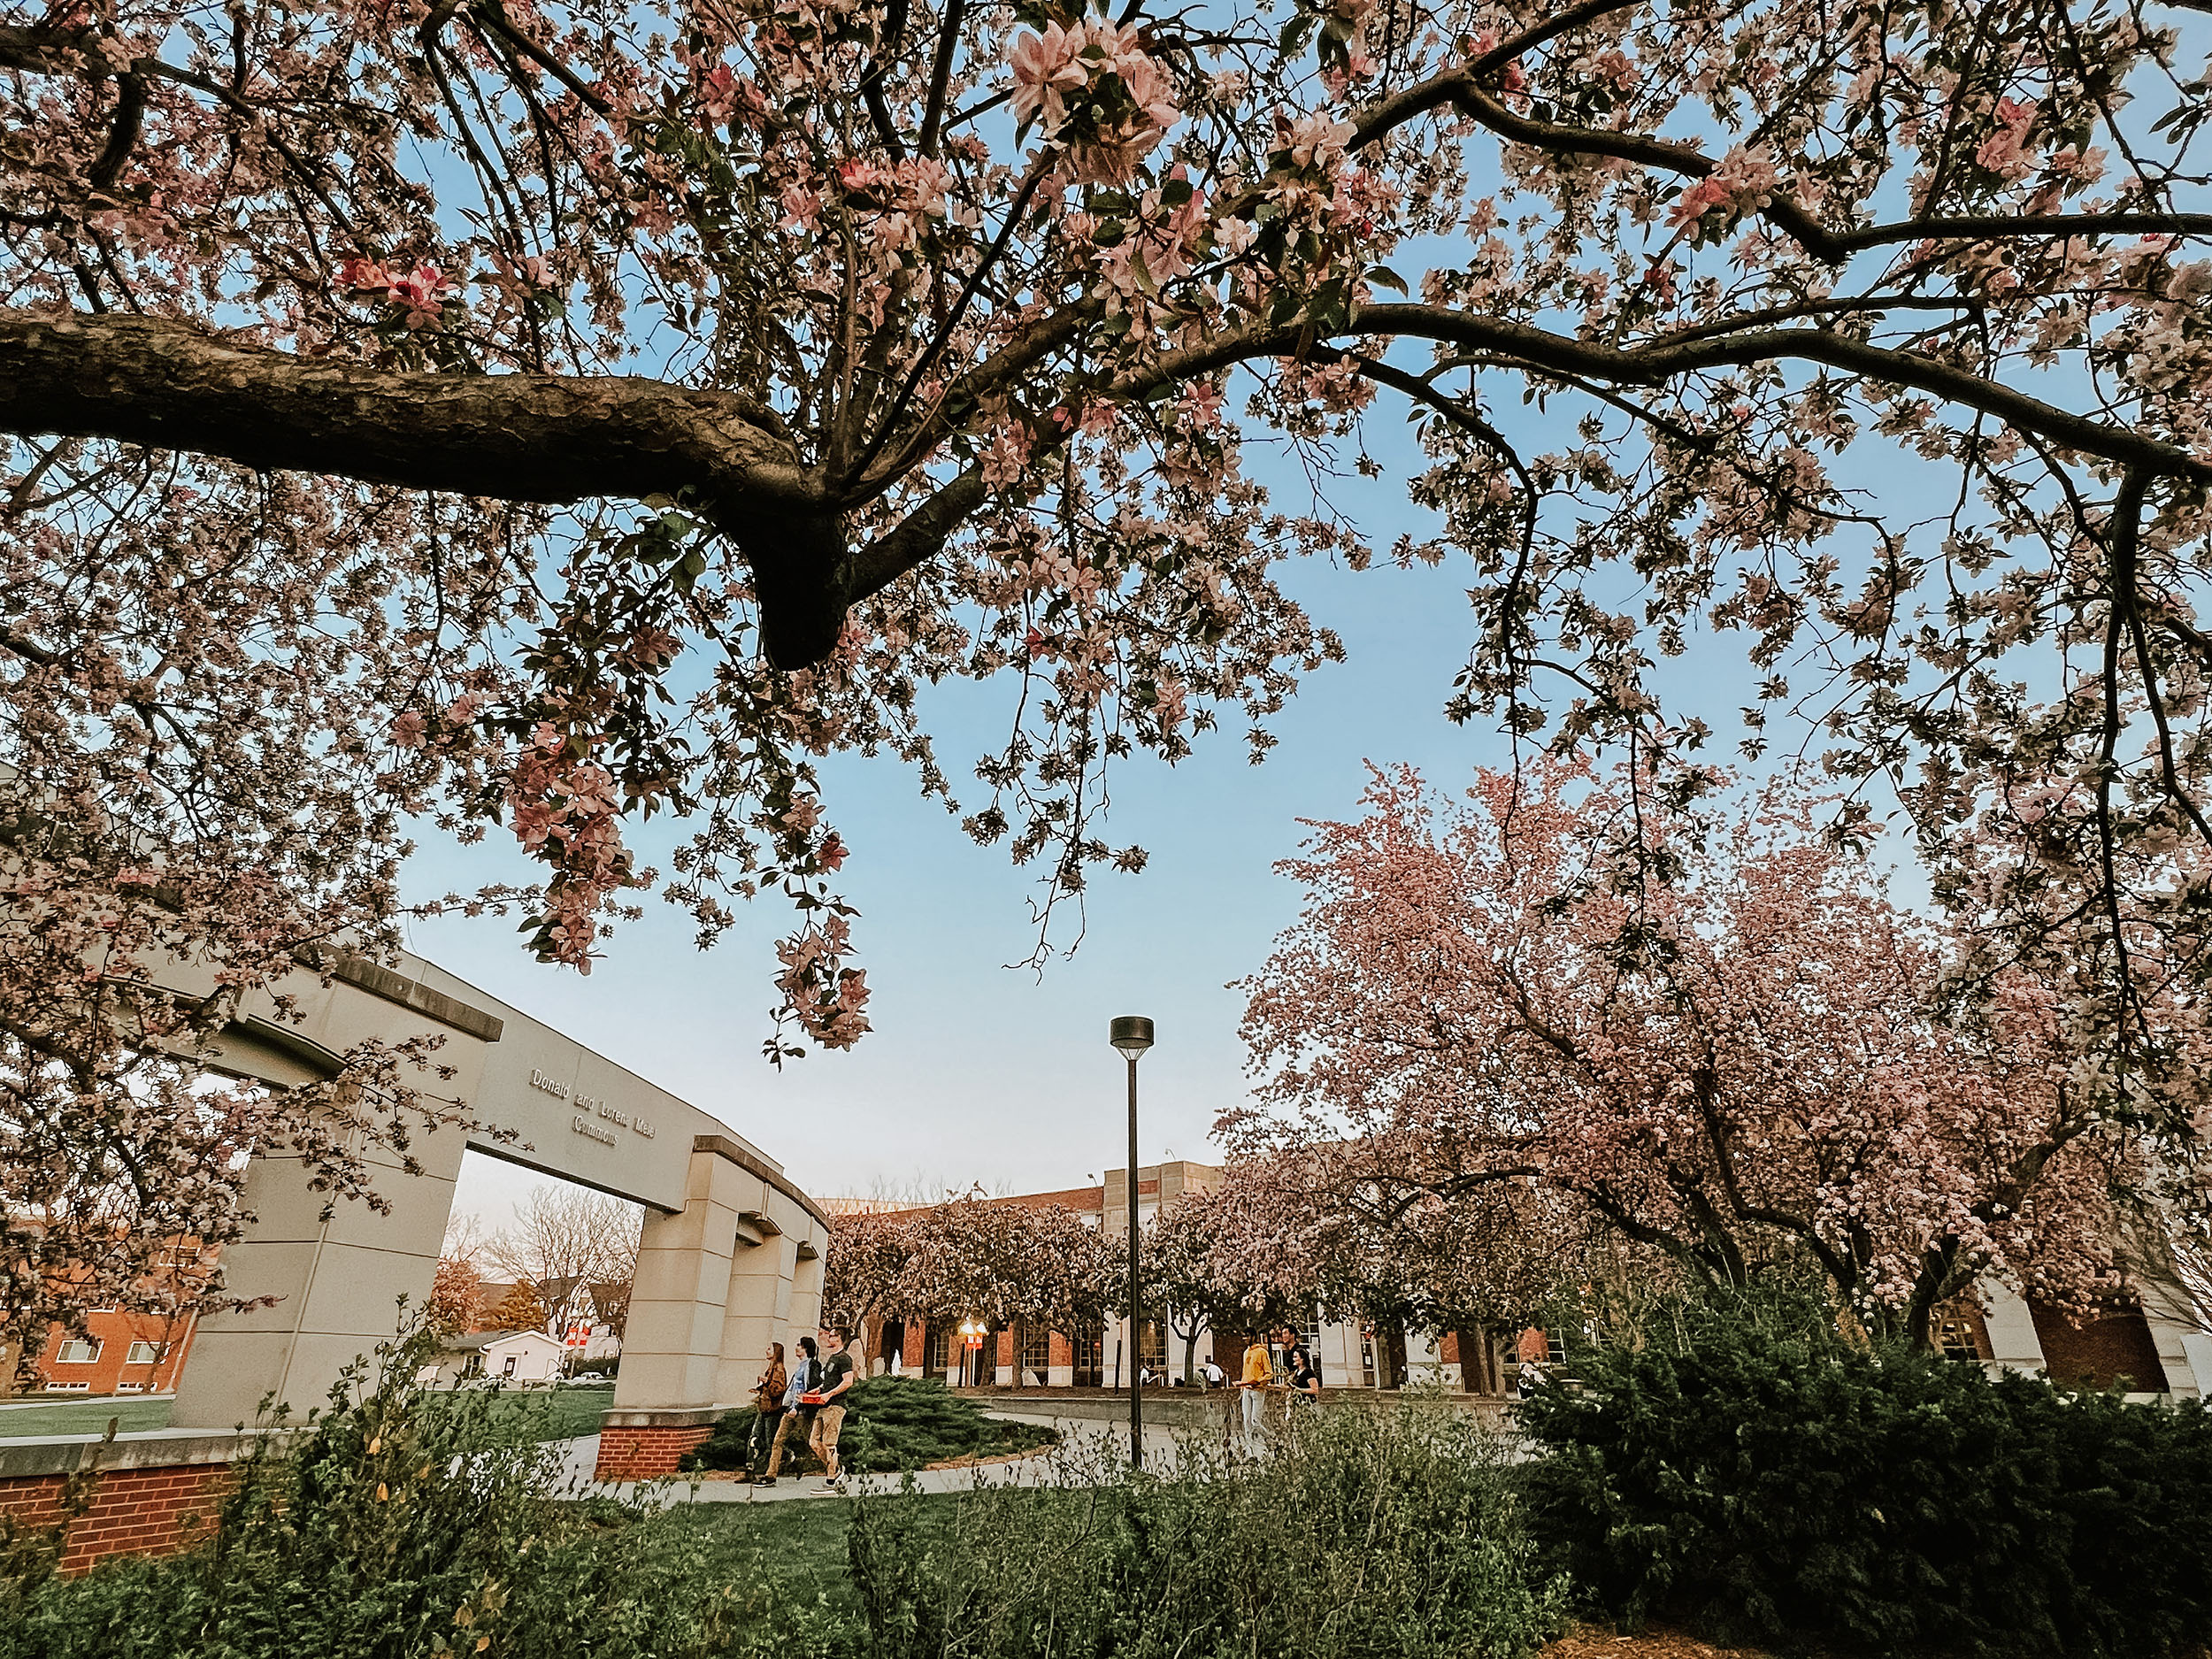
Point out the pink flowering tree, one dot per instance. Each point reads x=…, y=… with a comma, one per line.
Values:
x=969, y=1257
x=532, y=419
x=1759, y=1059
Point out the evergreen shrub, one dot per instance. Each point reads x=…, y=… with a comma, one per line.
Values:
x=893, y=1423
x=1763, y=1481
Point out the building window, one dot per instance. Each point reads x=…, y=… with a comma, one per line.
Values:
x=142, y=1354
x=1090, y=1343
x=68, y=1388
x=77, y=1351
x=1036, y=1349
x=130, y=1388
x=509, y=1369
x=937, y=1355
x=1152, y=1345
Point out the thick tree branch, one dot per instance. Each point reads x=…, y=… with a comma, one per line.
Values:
x=547, y=438
x=544, y=438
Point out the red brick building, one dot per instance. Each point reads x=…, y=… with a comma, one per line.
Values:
x=118, y=1354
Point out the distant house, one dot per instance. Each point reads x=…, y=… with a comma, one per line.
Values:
x=514, y=1356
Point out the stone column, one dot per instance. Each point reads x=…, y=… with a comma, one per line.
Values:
x=806, y=1281
x=336, y=1282
x=665, y=1394
x=757, y=1312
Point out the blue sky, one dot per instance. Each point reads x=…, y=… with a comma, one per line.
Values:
x=975, y=1071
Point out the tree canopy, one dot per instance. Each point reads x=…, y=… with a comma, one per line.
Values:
x=1760, y=1062
x=539, y=418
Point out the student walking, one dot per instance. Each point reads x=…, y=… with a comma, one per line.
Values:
x=767, y=1409
x=797, y=1414
x=838, y=1375
x=1305, y=1380
x=1259, y=1377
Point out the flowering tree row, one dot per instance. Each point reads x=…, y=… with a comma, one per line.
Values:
x=1760, y=1058
x=535, y=418
x=970, y=1258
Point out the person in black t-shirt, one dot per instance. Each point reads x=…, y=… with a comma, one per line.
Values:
x=1305, y=1372
x=837, y=1376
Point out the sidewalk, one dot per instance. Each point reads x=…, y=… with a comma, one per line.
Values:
x=580, y=1456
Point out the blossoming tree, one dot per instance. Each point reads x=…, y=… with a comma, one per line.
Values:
x=537, y=418
x=970, y=1256
x=1750, y=1061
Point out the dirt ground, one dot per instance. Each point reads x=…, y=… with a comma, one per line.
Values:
x=1590, y=1641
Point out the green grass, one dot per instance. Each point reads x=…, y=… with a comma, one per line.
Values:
x=798, y=1548
x=794, y=1552
x=80, y=1416
x=552, y=1413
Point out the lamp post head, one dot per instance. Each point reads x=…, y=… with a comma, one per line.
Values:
x=1132, y=1034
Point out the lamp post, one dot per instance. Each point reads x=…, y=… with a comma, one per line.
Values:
x=1132, y=1034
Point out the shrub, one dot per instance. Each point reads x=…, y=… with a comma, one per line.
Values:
x=397, y=1525
x=893, y=1423
x=1378, y=1537
x=1760, y=1480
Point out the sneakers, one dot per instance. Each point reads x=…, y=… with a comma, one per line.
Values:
x=764, y=1481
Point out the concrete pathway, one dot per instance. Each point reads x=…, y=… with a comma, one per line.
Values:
x=1084, y=1436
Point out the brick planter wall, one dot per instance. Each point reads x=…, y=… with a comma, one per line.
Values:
x=646, y=1444
x=133, y=1512
x=150, y=1494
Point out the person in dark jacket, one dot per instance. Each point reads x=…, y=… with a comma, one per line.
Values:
x=767, y=1407
x=798, y=1416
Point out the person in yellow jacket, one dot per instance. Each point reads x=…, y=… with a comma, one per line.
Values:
x=1259, y=1377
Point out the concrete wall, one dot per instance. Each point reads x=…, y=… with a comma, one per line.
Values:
x=731, y=1251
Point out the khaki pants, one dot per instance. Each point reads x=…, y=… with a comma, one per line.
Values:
x=793, y=1423
x=827, y=1422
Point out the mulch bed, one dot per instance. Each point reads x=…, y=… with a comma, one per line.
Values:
x=1591, y=1641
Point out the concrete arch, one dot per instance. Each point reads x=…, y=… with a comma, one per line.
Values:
x=730, y=1258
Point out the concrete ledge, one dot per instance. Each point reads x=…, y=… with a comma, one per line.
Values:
x=722, y=1146
x=153, y=1448
x=379, y=980
x=665, y=1416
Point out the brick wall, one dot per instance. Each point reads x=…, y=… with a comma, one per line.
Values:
x=154, y=1511
x=2100, y=1351
x=646, y=1451
x=113, y=1334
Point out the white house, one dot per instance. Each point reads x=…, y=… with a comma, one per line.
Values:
x=512, y=1357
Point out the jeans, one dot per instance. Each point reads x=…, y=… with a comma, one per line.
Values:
x=763, y=1436
x=1254, y=1420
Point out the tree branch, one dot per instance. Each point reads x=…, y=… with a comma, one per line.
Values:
x=1661, y=361
x=1390, y=113
x=547, y=438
